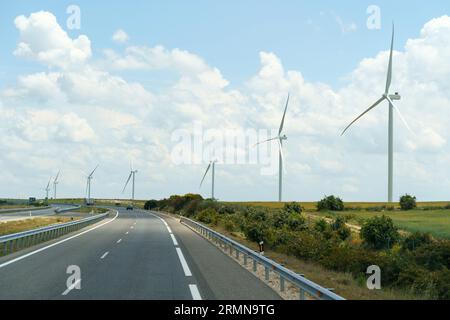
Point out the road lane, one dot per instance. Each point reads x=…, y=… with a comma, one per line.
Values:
x=136, y=256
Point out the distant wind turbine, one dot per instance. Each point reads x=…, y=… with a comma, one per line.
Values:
x=280, y=138
x=88, y=185
x=47, y=189
x=389, y=98
x=131, y=176
x=212, y=165
x=55, y=182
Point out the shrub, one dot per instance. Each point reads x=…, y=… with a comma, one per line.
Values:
x=321, y=225
x=379, y=233
x=254, y=232
x=331, y=203
x=208, y=216
x=341, y=228
x=293, y=207
x=408, y=202
x=296, y=222
x=151, y=204
x=434, y=256
x=416, y=240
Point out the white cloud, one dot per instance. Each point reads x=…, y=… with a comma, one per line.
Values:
x=42, y=39
x=120, y=36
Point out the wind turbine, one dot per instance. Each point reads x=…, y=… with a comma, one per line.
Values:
x=47, y=189
x=212, y=165
x=132, y=175
x=389, y=98
x=88, y=185
x=55, y=182
x=280, y=138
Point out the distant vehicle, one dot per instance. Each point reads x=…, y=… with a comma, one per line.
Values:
x=117, y=204
x=130, y=207
x=31, y=200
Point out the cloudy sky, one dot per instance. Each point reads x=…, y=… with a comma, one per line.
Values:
x=115, y=88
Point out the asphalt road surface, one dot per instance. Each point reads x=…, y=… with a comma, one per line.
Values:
x=130, y=255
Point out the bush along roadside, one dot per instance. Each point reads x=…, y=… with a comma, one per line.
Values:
x=416, y=263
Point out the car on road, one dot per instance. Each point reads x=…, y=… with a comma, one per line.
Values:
x=130, y=207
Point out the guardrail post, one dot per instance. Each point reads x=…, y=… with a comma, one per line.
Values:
x=302, y=294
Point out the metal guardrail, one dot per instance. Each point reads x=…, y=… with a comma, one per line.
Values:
x=59, y=210
x=305, y=286
x=14, y=242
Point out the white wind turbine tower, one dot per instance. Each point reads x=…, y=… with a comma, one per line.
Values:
x=280, y=138
x=47, y=189
x=212, y=165
x=131, y=176
x=55, y=182
x=88, y=186
x=389, y=98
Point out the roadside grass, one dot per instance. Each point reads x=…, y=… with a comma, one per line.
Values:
x=15, y=206
x=343, y=284
x=11, y=227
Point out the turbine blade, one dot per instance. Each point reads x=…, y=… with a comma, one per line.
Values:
x=389, y=74
x=93, y=171
x=401, y=116
x=129, y=178
x=57, y=176
x=284, y=115
x=373, y=106
x=272, y=139
x=204, y=176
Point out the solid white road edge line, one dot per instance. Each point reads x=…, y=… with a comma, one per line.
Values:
x=175, y=242
x=119, y=241
x=187, y=271
x=56, y=243
x=194, y=292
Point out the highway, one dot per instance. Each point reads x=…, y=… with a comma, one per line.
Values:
x=22, y=215
x=131, y=255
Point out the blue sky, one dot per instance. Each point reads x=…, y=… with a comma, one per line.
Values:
x=88, y=99
x=230, y=34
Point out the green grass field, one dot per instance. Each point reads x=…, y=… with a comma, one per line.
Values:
x=424, y=218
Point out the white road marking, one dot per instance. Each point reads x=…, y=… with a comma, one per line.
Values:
x=187, y=271
x=71, y=287
x=194, y=292
x=119, y=241
x=104, y=255
x=175, y=242
x=56, y=243
x=170, y=230
x=127, y=232
x=132, y=227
